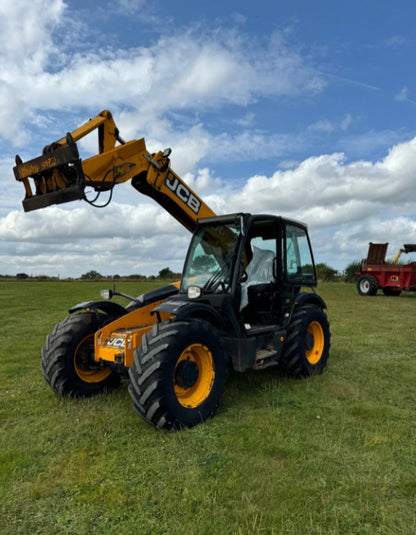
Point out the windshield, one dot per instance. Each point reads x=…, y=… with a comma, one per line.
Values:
x=210, y=258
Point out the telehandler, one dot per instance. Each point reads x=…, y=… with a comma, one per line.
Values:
x=246, y=299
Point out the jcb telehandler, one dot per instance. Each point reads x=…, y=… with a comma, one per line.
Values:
x=241, y=302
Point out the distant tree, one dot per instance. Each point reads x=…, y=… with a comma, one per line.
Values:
x=137, y=276
x=22, y=276
x=325, y=273
x=351, y=271
x=166, y=273
x=90, y=275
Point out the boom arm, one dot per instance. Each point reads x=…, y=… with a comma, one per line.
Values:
x=60, y=176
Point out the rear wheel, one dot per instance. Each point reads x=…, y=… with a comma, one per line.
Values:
x=367, y=285
x=178, y=375
x=307, y=343
x=68, y=363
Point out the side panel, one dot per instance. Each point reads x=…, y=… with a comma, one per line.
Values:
x=393, y=276
x=117, y=341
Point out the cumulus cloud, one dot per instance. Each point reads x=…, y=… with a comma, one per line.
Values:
x=56, y=224
x=125, y=240
x=327, y=190
x=28, y=29
x=346, y=205
x=192, y=69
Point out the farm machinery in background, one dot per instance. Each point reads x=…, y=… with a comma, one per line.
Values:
x=246, y=299
x=392, y=278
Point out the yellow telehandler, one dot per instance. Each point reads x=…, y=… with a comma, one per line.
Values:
x=246, y=299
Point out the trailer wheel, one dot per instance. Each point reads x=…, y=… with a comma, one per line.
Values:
x=68, y=364
x=307, y=344
x=367, y=285
x=178, y=375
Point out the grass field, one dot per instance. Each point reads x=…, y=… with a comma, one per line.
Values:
x=334, y=454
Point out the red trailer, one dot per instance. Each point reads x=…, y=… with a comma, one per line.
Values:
x=391, y=278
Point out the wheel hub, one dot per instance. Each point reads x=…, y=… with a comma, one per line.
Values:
x=186, y=373
x=85, y=366
x=310, y=341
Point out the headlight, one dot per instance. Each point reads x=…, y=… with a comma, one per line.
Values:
x=194, y=292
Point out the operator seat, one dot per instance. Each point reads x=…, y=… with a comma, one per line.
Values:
x=257, y=291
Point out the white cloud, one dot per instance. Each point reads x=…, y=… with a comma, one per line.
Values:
x=127, y=7
x=402, y=95
x=346, y=205
x=346, y=122
x=322, y=126
x=203, y=182
x=328, y=191
x=57, y=224
x=325, y=126
x=191, y=70
x=70, y=242
x=27, y=33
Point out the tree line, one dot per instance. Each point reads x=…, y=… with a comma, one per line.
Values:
x=164, y=274
x=324, y=273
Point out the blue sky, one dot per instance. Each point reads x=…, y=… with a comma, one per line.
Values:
x=304, y=108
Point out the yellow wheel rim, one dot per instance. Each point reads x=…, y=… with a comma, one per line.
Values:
x=316, y=342
x=194, y=375
x=82, y=362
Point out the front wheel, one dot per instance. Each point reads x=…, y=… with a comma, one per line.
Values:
x=307, y=344
x=178, y=375
x=68, y=363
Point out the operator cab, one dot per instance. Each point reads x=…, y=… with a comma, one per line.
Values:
x=255, y=263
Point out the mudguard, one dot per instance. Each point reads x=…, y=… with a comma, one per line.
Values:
x=108, y=307
x=154, y=295
x=304, y=298
x=186, y=310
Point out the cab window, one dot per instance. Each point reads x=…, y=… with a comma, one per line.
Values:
x=299, y=263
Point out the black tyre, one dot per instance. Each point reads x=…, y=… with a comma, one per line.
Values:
x=391, y=292
x=307, y=342
x=367, y=285
x=68, y=364
x=178, y=375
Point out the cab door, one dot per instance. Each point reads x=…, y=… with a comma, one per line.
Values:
x=261, y=295
x=298, y=267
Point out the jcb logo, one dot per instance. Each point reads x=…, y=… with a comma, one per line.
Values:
x=183, y=193
x=116, y=342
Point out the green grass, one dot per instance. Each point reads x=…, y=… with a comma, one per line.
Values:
x=334, y=454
